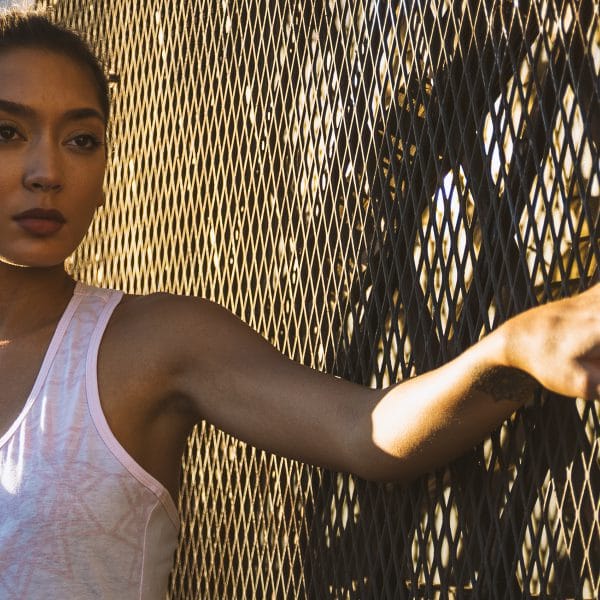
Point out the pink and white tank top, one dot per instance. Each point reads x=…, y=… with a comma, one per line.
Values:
x=79, y=518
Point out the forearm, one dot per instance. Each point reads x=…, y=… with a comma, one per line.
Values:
x=425, y=422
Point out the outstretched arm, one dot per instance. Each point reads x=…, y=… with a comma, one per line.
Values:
x=235, y=380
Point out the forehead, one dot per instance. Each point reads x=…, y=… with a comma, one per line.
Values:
x=45, y=80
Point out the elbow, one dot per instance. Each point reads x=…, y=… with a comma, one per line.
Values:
x=383, y=468
x=380, y=466
x=369, y=458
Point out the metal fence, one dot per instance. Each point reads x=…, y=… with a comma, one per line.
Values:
x=372, y=185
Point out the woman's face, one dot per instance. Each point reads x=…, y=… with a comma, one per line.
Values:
x=52, y=156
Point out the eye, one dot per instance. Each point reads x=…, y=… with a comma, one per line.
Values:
x=8, y=133
x=84, y=141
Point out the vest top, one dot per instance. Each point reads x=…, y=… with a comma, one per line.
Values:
x=79, y=518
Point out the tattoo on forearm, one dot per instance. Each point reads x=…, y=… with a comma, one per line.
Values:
x=505, y=383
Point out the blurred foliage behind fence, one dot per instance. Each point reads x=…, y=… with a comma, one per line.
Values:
x=372, y=186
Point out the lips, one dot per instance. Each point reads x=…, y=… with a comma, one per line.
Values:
x=41, y=214
x=40, y=222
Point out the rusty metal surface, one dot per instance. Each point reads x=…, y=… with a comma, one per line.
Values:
x=372, y=186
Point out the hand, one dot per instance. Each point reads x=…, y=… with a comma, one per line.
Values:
x=559, y=344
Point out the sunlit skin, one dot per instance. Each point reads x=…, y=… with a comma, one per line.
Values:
x=166, y=362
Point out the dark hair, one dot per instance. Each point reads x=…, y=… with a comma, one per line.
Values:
x=30, y=29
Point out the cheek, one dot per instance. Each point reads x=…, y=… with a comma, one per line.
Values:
x=11, y=173
x=89, y=191
x=86, y=197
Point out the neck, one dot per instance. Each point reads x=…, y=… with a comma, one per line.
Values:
x=31, y=297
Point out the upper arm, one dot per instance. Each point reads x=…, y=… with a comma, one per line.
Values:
x=237, y=381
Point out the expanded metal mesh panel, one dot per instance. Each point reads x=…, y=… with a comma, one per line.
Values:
x=372, y=186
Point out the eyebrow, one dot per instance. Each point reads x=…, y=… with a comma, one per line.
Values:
x=75, y=114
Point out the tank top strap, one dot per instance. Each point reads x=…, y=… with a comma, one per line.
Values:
x=111, y=299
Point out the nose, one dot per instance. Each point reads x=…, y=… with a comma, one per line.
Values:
x=43, y=170
x=42, y=184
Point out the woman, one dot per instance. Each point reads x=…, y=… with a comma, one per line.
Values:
x=100, y=389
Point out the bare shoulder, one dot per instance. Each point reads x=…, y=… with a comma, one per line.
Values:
x=166, y=352
x=142, y=356
x=149, y=343
x=160, y=317
x=166, y=330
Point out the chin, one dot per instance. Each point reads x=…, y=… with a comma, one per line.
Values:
x=32, y=263
x=47, y=254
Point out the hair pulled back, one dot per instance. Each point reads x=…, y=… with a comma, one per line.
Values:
x=30, y=29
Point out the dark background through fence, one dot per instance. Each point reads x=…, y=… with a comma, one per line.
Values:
x=372, y=186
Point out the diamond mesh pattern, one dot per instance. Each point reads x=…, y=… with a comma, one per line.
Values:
x=372, y=186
